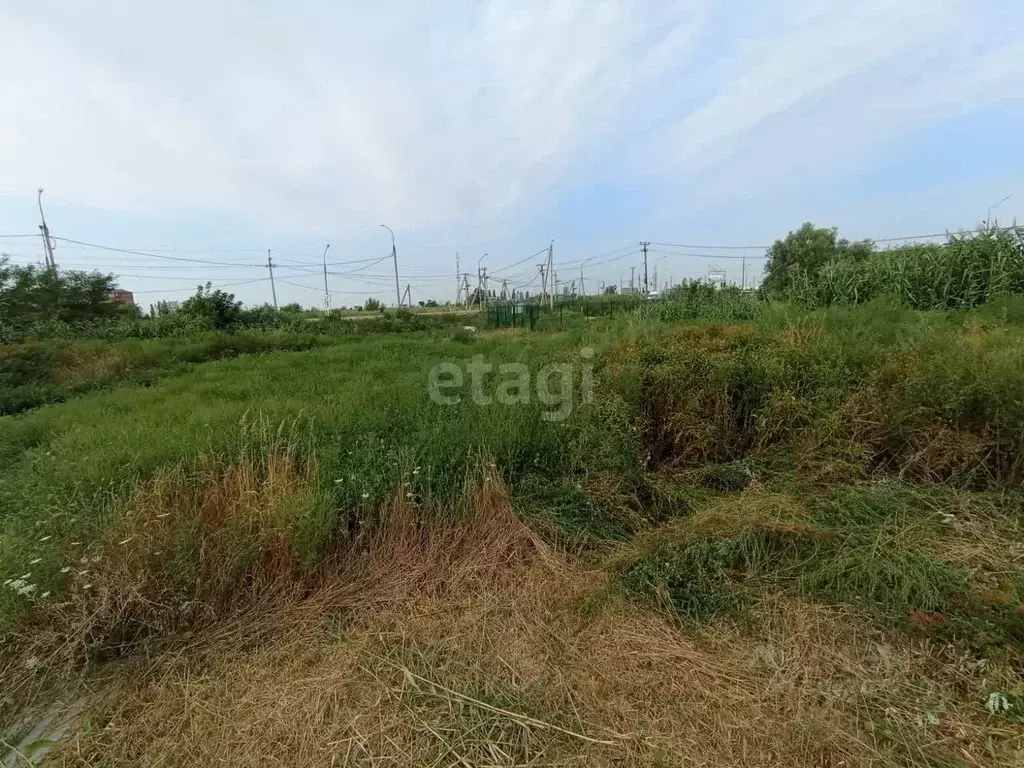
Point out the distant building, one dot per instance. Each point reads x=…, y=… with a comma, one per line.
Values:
x=121, y=296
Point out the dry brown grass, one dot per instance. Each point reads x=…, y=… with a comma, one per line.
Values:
x=188, y=546
x=468, y=643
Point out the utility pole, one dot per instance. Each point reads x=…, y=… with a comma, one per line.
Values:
x=632, y=272
x=543, y=282
x=743, y=275
x=458, y=279
x=394, y=256
x=551, y=273
x=644, y=244
x=465, y=287
x=47, y=242
x=327, y=291
x=408, y=295
x=270, y=266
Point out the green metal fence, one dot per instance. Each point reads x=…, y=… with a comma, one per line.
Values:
x=513, y=316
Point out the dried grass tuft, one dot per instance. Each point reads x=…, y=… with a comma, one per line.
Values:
x=460, y=640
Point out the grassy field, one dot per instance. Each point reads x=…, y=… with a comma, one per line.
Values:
x=771, y=536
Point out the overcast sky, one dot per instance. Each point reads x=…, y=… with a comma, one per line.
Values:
x=216, y=130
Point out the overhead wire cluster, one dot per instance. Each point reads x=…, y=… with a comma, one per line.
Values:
x=521, y=274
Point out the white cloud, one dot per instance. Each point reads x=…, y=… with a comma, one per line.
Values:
x=314, y=115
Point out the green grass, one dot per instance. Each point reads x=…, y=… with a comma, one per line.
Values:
x=37, y=373
x=819, y=406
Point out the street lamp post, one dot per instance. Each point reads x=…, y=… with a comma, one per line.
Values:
x=394, y=256
x=583, y=289
x=656, y=272
x=327, y=291
x=988, y=213
x=47, y=242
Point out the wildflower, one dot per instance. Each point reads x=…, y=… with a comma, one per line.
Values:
x=31, y=662
x=408, y=494
x=28, y=588
x=366, y=495
x=65, y=569
x=35, y=560
x=45, y=595
x=416, y=471
x=340, y=480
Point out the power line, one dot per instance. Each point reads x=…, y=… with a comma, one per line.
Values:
x=521, y=261
x=707, y=255
x=714, y=247
x=152, y=255
x=223, y=285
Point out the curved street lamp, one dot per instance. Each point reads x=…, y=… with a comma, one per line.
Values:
x=327, y=291
x=988, y=213
x=394, y=256
x=583, y=289
x=656, y=272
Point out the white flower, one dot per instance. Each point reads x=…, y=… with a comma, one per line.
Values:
x=31, y=662
x=65, y=569
x=416, y=471
x=366, y=495
x=45, y=595
x=26, y=589
x=340, y=480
